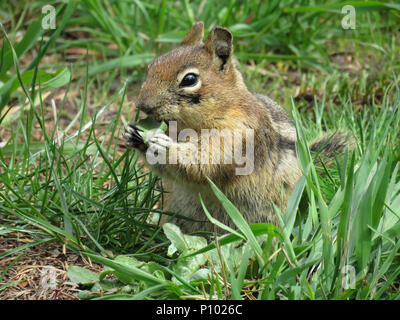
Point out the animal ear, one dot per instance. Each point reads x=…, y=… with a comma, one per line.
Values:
x=219, y=45
x=195, y=35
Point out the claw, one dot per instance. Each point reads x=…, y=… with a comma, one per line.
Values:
x=132, y=137
x=133, y=126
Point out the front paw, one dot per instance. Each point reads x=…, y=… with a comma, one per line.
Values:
x=132, y=137
x=159, y=145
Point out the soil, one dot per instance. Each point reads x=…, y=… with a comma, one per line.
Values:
x=41, y=273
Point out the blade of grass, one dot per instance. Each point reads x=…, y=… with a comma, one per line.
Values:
x=238, y=219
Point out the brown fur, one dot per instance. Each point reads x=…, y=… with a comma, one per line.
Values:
x=222, y=102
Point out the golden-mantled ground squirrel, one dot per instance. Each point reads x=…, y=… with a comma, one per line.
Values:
x=199, y=87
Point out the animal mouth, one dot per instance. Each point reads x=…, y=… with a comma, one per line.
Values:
x=156, y=113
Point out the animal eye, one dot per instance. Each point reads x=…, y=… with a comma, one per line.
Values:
x=189, y=80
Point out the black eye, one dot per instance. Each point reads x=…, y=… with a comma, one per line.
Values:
x=189, y=80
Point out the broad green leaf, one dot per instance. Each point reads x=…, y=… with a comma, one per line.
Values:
x=186, y=267
x=126, y=273
x=149, y=126
x=82, y=276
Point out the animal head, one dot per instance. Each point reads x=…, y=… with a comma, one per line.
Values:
x=195, y=83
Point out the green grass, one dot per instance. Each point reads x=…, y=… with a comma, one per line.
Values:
x=64, y=178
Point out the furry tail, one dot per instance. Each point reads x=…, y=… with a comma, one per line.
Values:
x=331, y=144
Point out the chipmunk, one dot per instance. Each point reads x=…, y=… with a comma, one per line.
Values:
x=199, y=86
